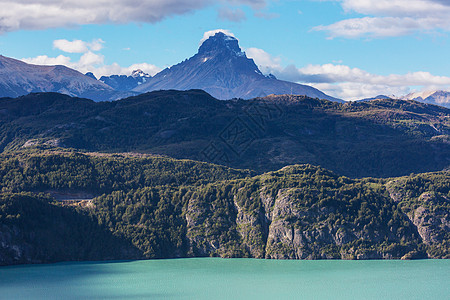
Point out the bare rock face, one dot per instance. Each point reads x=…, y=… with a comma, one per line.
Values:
x=251, y=228
x=303, y=223
x=431, y=219
x=291, y=237
x=433, y=223
x=195, y=216
x=11, y=249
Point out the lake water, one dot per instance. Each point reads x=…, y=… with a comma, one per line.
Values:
x=215, y=278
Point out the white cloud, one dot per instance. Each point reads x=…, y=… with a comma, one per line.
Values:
x=345, y=82
x=398, y=8
x=356, y=91
x=42, y=14
x=49, y=61
x=266, y=15
x=387, y=18
x=232, y=15
x=91, y=62
x=210, y=33
x=266, y=63
x=96, y=45
x=88, y=61
x=78, y=46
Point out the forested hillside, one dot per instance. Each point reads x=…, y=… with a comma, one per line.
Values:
x=132, y=207
x=380, y=138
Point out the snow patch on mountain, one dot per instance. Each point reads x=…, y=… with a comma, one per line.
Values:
x=438, y=97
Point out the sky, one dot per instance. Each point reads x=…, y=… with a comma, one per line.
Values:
x=349, y=49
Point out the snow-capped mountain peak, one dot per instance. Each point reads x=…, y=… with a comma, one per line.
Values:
x=139, y=73
x=124, y=82
x=223, y=70
x=437, y=97
x=219, y=43
x=422, y=94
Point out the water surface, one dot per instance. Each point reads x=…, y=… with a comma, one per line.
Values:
x=215, y=278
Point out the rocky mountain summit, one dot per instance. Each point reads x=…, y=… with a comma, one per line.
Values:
x=124, y=82
x=441, y=98
x=223, y=70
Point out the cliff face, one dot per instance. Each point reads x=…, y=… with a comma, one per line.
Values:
x=298, y=212
x=32, y=230
x=343, y=221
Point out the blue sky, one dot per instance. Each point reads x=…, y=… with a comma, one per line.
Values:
x=348, y=48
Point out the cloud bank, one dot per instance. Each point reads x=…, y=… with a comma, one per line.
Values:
x=389, y=18
x=78, y=46
x=43, y=14
x=348, y=83
x=89, y=61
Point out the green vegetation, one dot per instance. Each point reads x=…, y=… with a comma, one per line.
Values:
x=35, y=230
x=60, y=170
x=139, y=210
x=380, y=138
x=81, y=180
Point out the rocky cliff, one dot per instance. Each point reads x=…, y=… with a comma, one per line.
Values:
x=154, y=207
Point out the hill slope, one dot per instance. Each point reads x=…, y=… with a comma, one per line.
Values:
x=379, y=138
x=298, y=212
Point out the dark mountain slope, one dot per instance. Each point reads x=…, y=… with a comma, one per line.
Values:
x=376, y=138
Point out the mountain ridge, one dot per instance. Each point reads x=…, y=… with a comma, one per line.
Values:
x=124, y=82
x=223, y=70
x=437, y=97
x=18, y=78
x=377, y=138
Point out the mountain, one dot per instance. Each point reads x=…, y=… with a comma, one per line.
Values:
x=376, y=97
x=223, y=70
x=126, y=83
x=61, y=205
x=90, y=74
x=378, y=138
x=441, y=98
x=18, y=78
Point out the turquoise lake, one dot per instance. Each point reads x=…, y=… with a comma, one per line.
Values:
x=215, y=278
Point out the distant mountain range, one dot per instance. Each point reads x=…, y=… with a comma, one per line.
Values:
x=223, y=70
x=18, y=78
x=220, y=67
x=124, y=82
x=376, y=98
x=441, y=98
